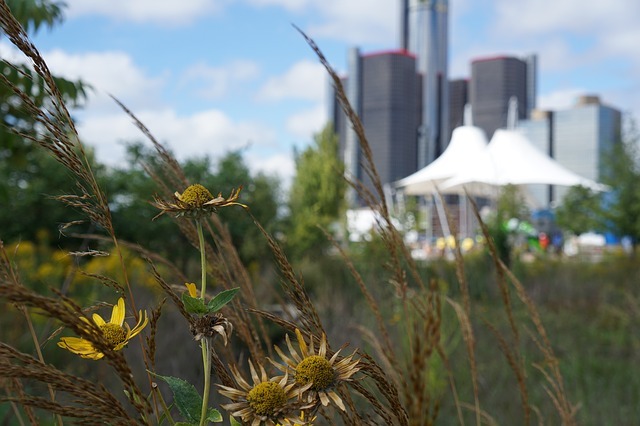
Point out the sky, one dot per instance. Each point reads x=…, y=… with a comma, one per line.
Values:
x=210, y=76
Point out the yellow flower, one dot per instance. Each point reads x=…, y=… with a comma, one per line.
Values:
x=113, y=333
x=191, y=287
x=317, y=372
x=267, y=401
x=196, y=201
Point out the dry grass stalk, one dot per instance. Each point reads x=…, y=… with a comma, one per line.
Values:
x=153, y=331
x=516, y=367
x=464, y=317
x=294, y=287
x=385, y=345
x=60, y=136
x=400, y=261
x=91, y=403
x=559, y=396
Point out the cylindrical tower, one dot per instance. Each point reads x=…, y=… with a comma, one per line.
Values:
x=428, y=35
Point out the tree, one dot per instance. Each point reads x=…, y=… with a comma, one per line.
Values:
x=621, y=206
x=580, y=211
x=317, y=194
x=33, y=15
x=618, y=210
x=510, y=205
x=260, y=193
x=28, y=175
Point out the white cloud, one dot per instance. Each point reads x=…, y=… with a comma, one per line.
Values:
x=291, y=5
x=593, y=31
x=539, y=16
x=353, y=21
x=110, y=72
x=305, y=123
x=209, y=132
x=304, y=80
x=163, y=12
x=10, y=53
x=358, y=21
x=215, y=82
x=280, y=165
x=560, y=99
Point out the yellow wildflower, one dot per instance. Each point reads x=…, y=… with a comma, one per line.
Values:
x=113, y=332
x=191, y=287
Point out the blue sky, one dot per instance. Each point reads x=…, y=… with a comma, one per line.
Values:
x=208, y=76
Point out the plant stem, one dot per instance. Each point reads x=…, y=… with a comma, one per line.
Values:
x=166, y=409
x=204, y=343
x=206, y=362
x=203, y=260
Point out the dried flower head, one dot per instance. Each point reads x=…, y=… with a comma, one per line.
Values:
x=113, y=333
x=211, y=324
x=317, y=372
x=266, y=402
x=196, y=201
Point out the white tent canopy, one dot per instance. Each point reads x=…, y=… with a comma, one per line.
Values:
x=511, y=159
x=468, y=144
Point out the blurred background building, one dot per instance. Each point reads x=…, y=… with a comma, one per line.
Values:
x=409, y=107
x=494, y=81
x=579, y=138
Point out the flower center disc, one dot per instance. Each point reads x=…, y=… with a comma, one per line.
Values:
x=196, y=195
x=113, y=333
x=317, y=370
x=265, y=398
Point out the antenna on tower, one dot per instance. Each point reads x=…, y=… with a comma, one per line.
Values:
x=512, y=113
x=467, y=117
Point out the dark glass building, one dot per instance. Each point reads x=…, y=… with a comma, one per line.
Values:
x=458, y=98
x=494, y=81
x=389, y=104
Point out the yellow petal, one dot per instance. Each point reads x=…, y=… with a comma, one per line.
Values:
x=94, y=356
x=192, y=289
x=324, y=399
x=98, y=320
x=254, y=374
x=337, y=400
x=142, y=323
x=79, y=346
x=301, y=343
x=323, y=346
x=117, y=315
x=75, y=343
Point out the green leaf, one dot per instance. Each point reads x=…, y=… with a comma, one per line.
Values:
x=234, y=422
x=185, y=396
x=194, y=305
x=214, y=415
x=221, y=299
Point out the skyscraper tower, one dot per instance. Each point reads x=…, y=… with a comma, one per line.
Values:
x=496, y=80
x=428, y=40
